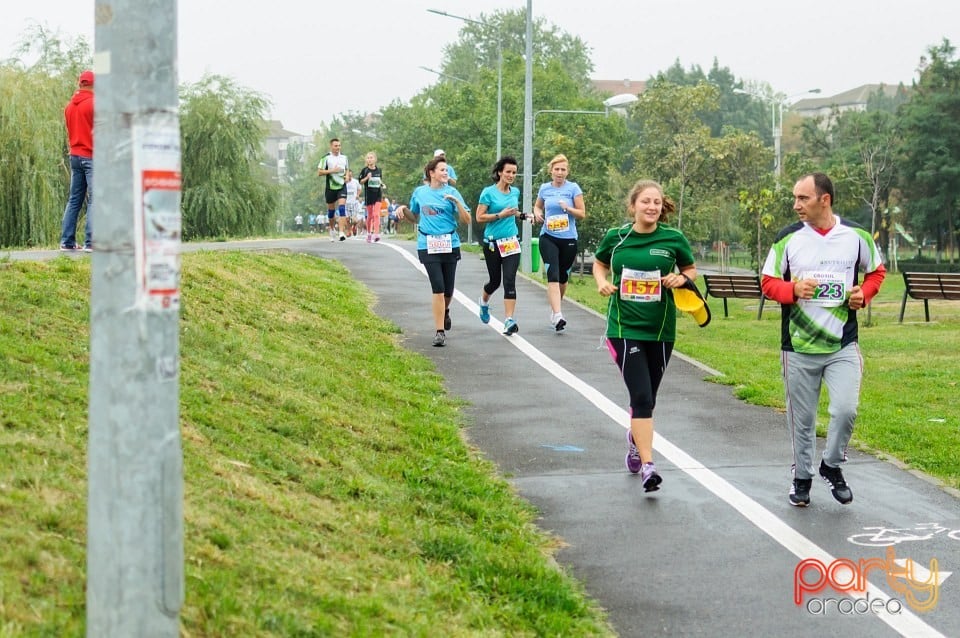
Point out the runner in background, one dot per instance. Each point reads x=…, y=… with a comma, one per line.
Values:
x=499, y=210
x=355, y=212
x=436, y=207
x=333, y=167
x=559, y=206
x=371, y=177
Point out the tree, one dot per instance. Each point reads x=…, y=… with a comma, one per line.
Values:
x=460, y=117
x=477, y=47
x=737, y=163
x=866, y=159
x=931, y=148
x=226, y=191
x=673, y=135
x=595, y=146
x=305, y=188
x=734, y=109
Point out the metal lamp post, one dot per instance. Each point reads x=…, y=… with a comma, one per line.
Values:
x=526, y=263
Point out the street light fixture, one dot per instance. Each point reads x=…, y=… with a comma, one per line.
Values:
x=443, y=75
x=619, y=101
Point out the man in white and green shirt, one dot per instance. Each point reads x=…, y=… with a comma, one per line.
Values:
x=334, y=167
x=812, y=270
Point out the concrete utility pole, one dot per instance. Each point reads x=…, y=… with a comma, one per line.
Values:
x=526, y=261
x=135, y=582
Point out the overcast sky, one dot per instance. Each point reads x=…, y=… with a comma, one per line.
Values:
x=320, y=58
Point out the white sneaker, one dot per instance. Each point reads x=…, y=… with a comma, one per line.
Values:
x=558, y=322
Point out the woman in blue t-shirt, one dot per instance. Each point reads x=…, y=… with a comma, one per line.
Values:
x=499, y=210
x=436, y=207
x=559, y=205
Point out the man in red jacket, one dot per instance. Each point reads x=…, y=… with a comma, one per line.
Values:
x=79, y=118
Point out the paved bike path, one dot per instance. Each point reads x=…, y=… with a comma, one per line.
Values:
x=713, y=553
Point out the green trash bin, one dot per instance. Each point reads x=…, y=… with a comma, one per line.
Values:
x=535, y=254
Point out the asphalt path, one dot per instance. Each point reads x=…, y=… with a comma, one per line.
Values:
x=717, y=551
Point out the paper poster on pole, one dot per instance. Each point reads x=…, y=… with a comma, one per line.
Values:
x=157, y=221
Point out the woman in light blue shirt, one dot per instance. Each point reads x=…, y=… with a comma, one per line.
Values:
x=436, y=207
x=499, y=210
x=559, y=206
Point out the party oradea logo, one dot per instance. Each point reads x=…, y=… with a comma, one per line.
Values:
x=914, y=585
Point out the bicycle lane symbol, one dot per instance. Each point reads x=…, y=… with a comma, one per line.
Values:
x=890, y=536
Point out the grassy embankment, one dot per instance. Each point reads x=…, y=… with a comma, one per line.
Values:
x=329, y=491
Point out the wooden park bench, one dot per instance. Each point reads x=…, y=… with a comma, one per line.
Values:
x=735, y=286
x=927, y=286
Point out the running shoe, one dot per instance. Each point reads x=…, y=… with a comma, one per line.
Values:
x=838, y=487
x=651, y=480
x=376, y=238
x=369, y=238
x=343, y=237
x=510, y=327
x=88, y=249
x=800, y=492
x=558, y=322
x=447, y=324
x=484, y=311
x=633, y=456
x=440, y=339
x=64, y=247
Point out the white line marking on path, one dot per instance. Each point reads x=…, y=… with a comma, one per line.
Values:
x=906, y=623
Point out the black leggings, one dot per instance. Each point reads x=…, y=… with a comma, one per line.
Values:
x=642, y=364
x=500, y=267
x=558, y=257
x=441, y=270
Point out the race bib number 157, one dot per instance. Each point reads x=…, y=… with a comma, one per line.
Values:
x=640, y=285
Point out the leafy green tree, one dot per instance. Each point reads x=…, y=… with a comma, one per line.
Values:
x=764, y=210
x=477, y=47
x=865, y=161
x=460, y=117
x=879, y=100
x=674, y=138
x=305, y=188
x=735, y=161
x=931, y=148
x=34, y=173
x=734, y=108
x=595, y=146
x=226, y=191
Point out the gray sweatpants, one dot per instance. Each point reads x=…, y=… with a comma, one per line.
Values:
x=802, y=378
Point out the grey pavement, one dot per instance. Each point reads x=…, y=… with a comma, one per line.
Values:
x=714, y=552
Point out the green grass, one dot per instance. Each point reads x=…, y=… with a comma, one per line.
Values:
x=322, y=499
x=908, y=405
